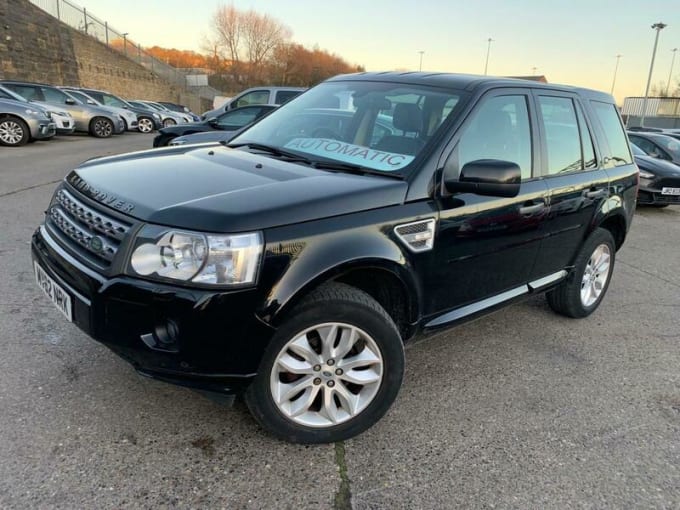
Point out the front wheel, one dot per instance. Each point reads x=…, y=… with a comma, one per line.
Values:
x=584, y=289
x=169, y=122
x=101, y=127
x=13, y=132
x=145, y=125
x=332, y=369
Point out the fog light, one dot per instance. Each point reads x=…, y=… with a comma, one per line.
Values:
x=164, y=337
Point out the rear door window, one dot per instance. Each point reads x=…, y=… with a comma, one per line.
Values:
x=611, y=124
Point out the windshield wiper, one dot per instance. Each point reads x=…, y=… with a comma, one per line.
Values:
x=354, y=169
x=274, y=151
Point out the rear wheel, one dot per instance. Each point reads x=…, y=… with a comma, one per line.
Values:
x=583, y=291
x=332, y=369
x=13, y=132
x=145, y=125
x=101, y=127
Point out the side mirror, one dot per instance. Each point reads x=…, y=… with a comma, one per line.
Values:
x=89, y=101
x=70, y=101
x=488, y=177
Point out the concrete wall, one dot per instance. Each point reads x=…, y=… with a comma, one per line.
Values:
x=35, y=46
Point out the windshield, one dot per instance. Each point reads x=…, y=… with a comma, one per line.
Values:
x=374, y=125
x=670, y=144
x=110, y=100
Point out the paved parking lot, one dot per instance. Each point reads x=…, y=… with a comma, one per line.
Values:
x=523, y=409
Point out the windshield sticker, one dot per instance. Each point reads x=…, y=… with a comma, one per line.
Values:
x=349, y=153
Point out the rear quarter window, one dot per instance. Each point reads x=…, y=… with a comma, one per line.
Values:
x=612, y=127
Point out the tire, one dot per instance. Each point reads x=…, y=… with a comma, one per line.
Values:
x=582, y=292
x=14, y=132
x=169, y=122
x=370, y=352
x=145, y=125
x=101, y=127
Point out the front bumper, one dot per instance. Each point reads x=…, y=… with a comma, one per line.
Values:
x=45, y=130
x=217, y=341
x=650, y=191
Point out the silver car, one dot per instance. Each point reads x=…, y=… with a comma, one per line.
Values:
x=63, y=119
x=89, y=119
x=130, y=118
x=170, y=118
x=22, y=122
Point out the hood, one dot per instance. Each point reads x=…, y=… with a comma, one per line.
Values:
x=89, y=109
x=217, y=189
x=658, y=167
x=20, y=106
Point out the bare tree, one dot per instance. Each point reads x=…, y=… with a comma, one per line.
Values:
x=247, y=39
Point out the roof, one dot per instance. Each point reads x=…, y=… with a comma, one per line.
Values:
x=468, y=82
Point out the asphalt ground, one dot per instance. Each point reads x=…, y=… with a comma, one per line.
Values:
x=521, y=409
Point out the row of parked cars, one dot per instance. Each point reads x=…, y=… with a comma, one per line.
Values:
x=657, y=155
x=36, y=111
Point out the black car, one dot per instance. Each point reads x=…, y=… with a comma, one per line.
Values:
x=229, y=121
x=659, y=180
x=657, y=145
x=292, y=265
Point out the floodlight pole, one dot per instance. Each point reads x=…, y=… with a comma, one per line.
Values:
x=658, y=27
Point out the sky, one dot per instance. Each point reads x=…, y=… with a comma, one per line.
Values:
x=570, y=42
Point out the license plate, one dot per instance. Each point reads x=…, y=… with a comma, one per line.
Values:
x=52, y=290
x=670, y=191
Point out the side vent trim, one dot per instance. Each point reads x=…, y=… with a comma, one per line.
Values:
x=418, y=236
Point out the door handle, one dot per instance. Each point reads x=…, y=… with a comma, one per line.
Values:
x=531, y=209
x=596, y=193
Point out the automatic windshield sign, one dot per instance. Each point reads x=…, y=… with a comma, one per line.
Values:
x=350, y=153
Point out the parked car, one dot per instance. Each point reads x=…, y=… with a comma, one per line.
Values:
x=205, y=137
x=62, y=119
x=168, y=118
x=180, y=108
x=129, y=117
x=22, y=122
x=229, y=121
x=147, y=121
x=89, y=119
x=657, y=145
x=659, y=180
x=293, y=267
x=257, y=95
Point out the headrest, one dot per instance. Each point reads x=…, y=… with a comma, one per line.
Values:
x=407, y=117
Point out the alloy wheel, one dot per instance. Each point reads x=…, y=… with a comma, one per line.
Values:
x=326, y=375
x=145, y=125
x=595, y=275
x=11, y=133
x=103, y=128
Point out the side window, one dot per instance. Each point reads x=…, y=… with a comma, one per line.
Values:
x=499, y=129
x=254, y=97
x=562, y=139
x=239, y=118
x=283, y=96
x=589, y=160
x=54, y=95
x=613, y=130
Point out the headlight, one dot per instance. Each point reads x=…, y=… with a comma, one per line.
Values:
x=646, y=175
x=194, y=257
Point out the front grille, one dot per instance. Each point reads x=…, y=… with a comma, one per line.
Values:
x=85, y=227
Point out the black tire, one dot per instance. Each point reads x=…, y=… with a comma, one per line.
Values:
x=14, y=132
x=145, y=124
x=101, y=127
x=566, y=298
x=330, y=303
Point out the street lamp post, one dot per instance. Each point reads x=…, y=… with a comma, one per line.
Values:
x=616, y=68
x=670, y=74
x=420, y=66
x=488, y=50
x=658, y=27
x=125, y=43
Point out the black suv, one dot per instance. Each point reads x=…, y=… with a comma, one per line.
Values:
x=293, y=264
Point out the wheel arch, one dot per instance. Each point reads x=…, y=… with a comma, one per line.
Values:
x=391, y=283
x=616, y=224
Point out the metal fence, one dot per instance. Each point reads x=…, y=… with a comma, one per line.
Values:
x=84, y=21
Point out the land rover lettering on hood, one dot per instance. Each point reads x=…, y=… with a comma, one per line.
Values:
x=292, y=264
